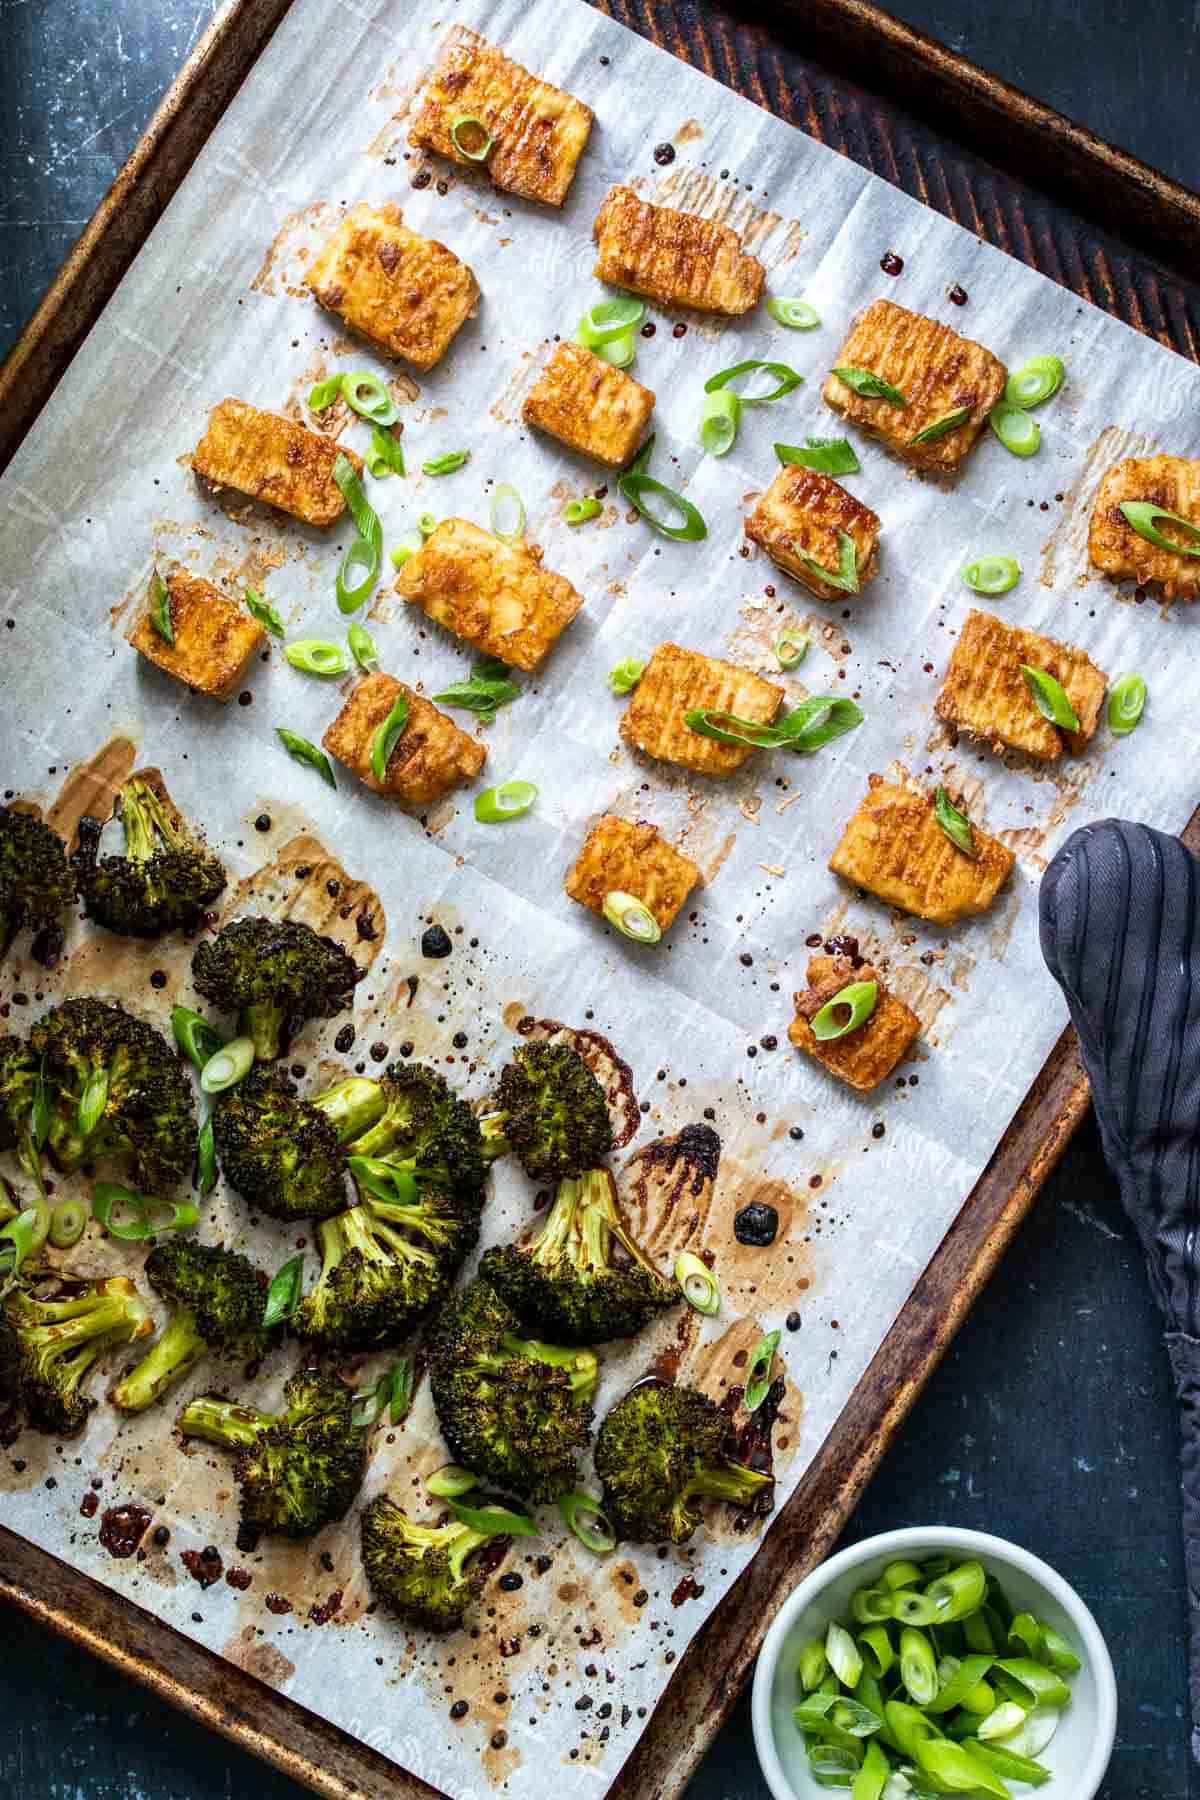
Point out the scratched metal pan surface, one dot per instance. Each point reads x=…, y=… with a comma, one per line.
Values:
x=990, y=176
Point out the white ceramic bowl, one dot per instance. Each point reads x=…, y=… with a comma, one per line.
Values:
x=1080, y=1750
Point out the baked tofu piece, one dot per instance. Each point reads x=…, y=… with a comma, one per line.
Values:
x=588, y=405
x=214, y=637
x=895, y=849
x=269, y=458
x=679, y=681
x=986, y=694
x=937, y=372
x=496, y=596
x=865, y=1057
x=431, y=755
x=1115, y=547
x=676, y=258
x=407, y=295
x=804, y=511
x=624, y=858
x=537, y=132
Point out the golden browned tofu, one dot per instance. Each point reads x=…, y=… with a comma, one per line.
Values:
x=679, y=681
x=269, y=458
x=497, y=596
x=214, y=637
x=986, y=694
x=431, y=755
x=937, y=372
x=537, y=132
x=676, y=258
x=588, y=405
x=1115, y=547
x=804, y=513
x=624, y=858
x=865, y=1057
x=895, y=848
x=407, y=294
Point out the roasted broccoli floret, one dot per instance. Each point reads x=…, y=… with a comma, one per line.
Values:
x=48, y=1346
x=274, y=974
x=565, y=1282
x=298, y=1469
x=550, y=1111
x=163, y=882
x=116, y=1087
x=426, y=1573
x=284, y=1154
x=218, y=1298
x=425, y=1139
x=18, y=1087
x=511, y=1408
x=660, y=1451
x=36, y=883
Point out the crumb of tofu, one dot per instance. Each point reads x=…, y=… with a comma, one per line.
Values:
x=632, y=858
x=805, y=511
x=431, y=756
x=270, y=458
x=495, y=596
x=1115, y=548
x=676, y=258
x=865, y=1057
x=589, y=405
x=677, y=681
x=894, y=847
x=986, y=694
x=406, y=294
x=215, y=638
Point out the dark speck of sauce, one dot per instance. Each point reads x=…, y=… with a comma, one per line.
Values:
x=364, y=924
x=204, y=1566
x=161, y=1535
x=435, y=942
x=275, y=1603
x=498, y=1740
x=796, y=1135
x=422, y=178
x=664, y=154
x=263, y=822
x=756, y=1224
x=843, y=946
x=122, y=1529
x=328, y=1609
x=679, y=330
x=89, y=1506
x=878, y=1129
x=891, y=264
x=158, y=978
x=239, y=1578
x=509, y=1583
x=344, y=1040
x=459, y=1710
x=793, y=1321
x=245, y=697
x=649, y=328
x=688, y=1589
x=379, y=1052
x=957, y=296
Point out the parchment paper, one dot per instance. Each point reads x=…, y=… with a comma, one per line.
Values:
x=100, y=489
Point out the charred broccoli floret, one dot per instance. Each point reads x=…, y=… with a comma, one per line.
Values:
x=274, y=974
x=116, y=1087
x=298, y=1469
x=425, y=1139
x=511, y=1408
x=18, y=1087
x=284, y=1154
x=565, y=1282
x=426, y=1572
x=218, y=1298
x=49, y=1345
x=163, y=882
x=550, y=1111
x=36, y=883
x=660, y=1451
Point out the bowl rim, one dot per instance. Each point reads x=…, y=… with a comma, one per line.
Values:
x=982, y=1544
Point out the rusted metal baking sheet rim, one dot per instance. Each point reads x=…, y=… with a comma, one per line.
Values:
x=1159, y=219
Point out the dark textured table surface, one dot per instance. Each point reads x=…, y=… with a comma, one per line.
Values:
x=1051, y=1421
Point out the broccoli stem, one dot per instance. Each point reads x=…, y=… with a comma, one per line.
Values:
x=581, y=1365
x=559, y=1236
x=602, y=1220
x=495, y=1144
x=739, y=1486
x=179, y=1349
x=353, y=1106
x=225, y=1422
x=141, y=815
x=263, y=1022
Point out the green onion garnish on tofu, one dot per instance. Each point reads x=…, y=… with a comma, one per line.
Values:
x=1050, y=698
x=869, y=385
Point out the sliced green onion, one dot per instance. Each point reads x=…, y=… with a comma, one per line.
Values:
x=362, y=646
x=758, y=1371
x=506, y=494
x=874, y=1775
x=317, y=656
x=450, y=1481
x=427, y=524
x=698, y=1283
x=1007, y=1762
x=634, y=484
x=408, y=546
x=1126, y=703
x=1044, y=1687
x=908, y=1726
x=1015, y=429
x=366, y=550
x=508, y=800
x=813, y=1664
x=901, y=1574
x=871, y=387
x=624, y=676
x=231, y=1064
x=483, y=143
x=197, y=1039
x=868, y=1605
x=22, y=1238
x=992, y=574
x=832, y=1765
x=959, y=1592
x=845, y=577
x=914, y=1609
x=134, y=1217
x=719, y=421
x=814, y=1710
x=1059, y=1653
x=1025, y=1636
x=609, y=319
x=1142, y=516
x=382, y=1180
x=1002, y=1721
x=356, y=574
x=961, y=1682
x=619, y=351
x=160, y=608
x=918, y=1666
x=263, y=611
x=1034, y=381
x=578, y=512
x=828, y=456
x=494, y=1519
x=786, y=379
x=489, y=688
x=304, y=752
x=809, y=726
x=390, y=1397
x=978, y=1633
x=852, y=1717
x=940, y=428
x=325, y=393
x=843, y=1014
x=586, y=1518
x=843, y=1656
x=385, y=455
x=797, y=315
x=93, y=1101
x=283, y=1295
x=369, y=396
x=205, y=1177
x=791, y=648
x=387, y=737
x=957, y=1769
x=954, y=823
x=632, y=917
x=877, y=1650
x=446, y=463
x=67, y=1222
x=1050, y=698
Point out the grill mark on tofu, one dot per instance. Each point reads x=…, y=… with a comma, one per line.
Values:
x=935, y=369
x=1116, y=549
x=894, y=847
x=678, y=681
x=270, y=458
x=626, y=858
x=589, y=405
x=496, y=596
x=431, y=756
x=805, y=508
x=215, y=638
x=405, y=294
x=865, y=1057
x=986, y=694
x=676, y=258
x=538, y=132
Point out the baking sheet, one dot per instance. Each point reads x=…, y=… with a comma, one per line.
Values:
x=82, y=513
